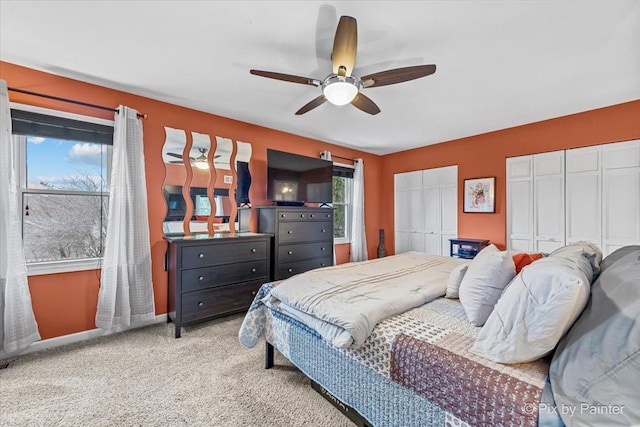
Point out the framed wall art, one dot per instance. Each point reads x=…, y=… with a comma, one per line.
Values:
x=479, y=195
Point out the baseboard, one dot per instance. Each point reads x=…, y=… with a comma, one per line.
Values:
x=83, y=336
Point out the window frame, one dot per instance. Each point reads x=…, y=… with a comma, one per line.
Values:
x=348, y=207
x=20, y=166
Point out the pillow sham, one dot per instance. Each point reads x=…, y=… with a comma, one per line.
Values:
x=597, y=362
x=455, y=278
x=537, y=308
x=489, y=272
x=521, y=260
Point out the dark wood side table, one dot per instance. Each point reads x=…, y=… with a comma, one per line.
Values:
x=466, y=248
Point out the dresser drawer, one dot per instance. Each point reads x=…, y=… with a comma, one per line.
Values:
x=216, y=301
x=221, y=275
x=204, y=255
x=298, y=215
x=302, y=251
x=288, y=269
x=308, y=231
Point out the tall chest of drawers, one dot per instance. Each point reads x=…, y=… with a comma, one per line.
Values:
x=303, y=238
x=212, y=276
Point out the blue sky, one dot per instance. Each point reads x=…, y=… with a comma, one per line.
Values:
x=51, y=160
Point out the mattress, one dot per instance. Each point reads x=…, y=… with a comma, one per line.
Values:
x=413, y=370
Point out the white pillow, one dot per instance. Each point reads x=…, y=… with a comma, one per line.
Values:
x=455, y=278
x=536, y=309
x=488, y=274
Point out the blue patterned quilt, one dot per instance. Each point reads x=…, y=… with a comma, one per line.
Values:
x=363, y=377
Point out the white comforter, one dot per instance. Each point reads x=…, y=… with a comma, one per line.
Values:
x=345, y=302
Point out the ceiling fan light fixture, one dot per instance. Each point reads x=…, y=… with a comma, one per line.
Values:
x=340, y=90
x=201, y=164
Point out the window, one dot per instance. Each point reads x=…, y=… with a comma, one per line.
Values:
x=63, y=164
x=342, y=193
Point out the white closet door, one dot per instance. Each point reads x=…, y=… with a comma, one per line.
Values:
x=584, y=195
x=549, y=212
x=621, y=195
x=431, y=210
x=408, y=222
x=448, y=207
x=440, y=201
x=401, y=212
x=520, y=203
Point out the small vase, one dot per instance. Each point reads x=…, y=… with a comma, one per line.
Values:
x=382, y=251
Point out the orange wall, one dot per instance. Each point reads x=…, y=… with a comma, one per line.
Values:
x=66, y=303
x=485, y=155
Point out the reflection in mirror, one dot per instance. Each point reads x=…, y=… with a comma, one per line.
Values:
x=222, y=159
x=201, y=177
x=176, y=176
x=243, y=157
x=209, y=189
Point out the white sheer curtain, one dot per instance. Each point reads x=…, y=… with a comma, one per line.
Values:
x=126, y=289
x=358, y=235
x=18, y=325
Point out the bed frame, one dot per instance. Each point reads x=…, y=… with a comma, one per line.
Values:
x=346, y=410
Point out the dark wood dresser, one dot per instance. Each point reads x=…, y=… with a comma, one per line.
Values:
x=212, y=276
x=303, y=238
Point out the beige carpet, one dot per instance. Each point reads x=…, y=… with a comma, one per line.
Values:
x=145, y=377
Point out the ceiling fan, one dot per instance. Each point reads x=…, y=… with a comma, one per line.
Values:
x=341, y=87
x=200, y=162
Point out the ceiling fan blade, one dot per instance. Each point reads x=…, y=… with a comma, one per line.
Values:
x=316, y=102
x=365, y=104
x=345, y=45
x=397, y=75
x=174, y=155
x=286, y=77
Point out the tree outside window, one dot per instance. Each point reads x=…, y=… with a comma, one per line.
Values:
x=64, y=187
x=342, y=189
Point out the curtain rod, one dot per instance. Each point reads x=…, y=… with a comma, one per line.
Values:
x=71, y=101
x=343, y=158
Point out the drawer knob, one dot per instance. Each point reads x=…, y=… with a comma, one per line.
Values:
x=200, y=304
x=328, y=215
x=290, y=270
x=253, y=270
x=254, y=293
x=301, y=215
x=253, y=250
x=324, y=231
x=322, y=249
x=201, y=255
x=201, y=278
x=289, y=252
x=290, y=232
x=322, y=264
x=283, y=216
x=312, y=215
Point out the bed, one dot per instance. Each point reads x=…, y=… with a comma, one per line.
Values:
x=414, y=368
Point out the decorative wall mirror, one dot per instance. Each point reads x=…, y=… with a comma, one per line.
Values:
x=200, y=196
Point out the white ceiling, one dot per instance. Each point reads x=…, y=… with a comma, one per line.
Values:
x=500, y=63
